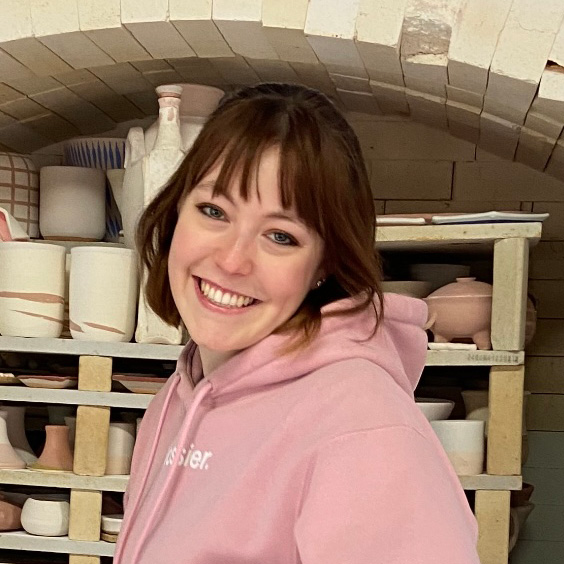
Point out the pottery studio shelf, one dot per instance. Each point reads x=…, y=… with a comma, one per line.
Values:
x=68, y=480
x=19, y=540
x=171, y=352
x=479, y=237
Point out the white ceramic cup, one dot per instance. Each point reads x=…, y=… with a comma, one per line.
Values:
x=45, y=517
x=103, y=293
x=463, y=441
x=72, y=203
x=32, y=289
x=121, y=440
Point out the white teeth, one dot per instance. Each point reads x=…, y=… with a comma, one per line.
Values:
x=225, y=299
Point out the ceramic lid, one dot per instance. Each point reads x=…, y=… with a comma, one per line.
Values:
x=466, y=287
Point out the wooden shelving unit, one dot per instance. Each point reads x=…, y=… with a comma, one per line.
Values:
x=509, y=244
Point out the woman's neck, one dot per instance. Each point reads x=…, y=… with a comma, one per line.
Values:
x=213, y=359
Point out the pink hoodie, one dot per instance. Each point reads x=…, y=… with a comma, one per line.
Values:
x=321, y=457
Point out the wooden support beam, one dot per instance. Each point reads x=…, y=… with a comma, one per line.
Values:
x=505, y=420
x=492, y=514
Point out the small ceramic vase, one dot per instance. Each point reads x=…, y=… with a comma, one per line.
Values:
x=103, y=293
x=462, y=309
x=73, y=203
x=464, y=444
x=16, y=432
x=8, y=456
x=19, y=191
x=120, y=448
x=32, y=287
x=10, y=515
x=45, y=517
x=56, y=454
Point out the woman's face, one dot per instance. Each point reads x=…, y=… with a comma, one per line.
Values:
x=239, y=269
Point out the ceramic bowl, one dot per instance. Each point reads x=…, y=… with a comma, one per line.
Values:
x=112, y=523
x=46, y=517
x=462, y=309
x=411, y=288
x=435, y=409
x=94, y=152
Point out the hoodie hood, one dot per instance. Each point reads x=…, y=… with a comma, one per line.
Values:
x=398, y=347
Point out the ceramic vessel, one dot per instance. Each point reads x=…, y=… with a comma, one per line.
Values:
x=438, y=275
x=73, y=203
x=56, y=454
x=112, y=523
x=462, y=309
x=150, y=160
x=103, y=293
x=8, y=456
x=45, y=517
x=32, y=283
x=10, y=228
x=105, y=153
x=15, y=422
x=19, y=190
x=435, y=409
x=464, y=444
x=411, y=288
x=10, y=515
x=121, y=440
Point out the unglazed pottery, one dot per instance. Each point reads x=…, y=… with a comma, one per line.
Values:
x=50, y=382
x=150, y=160
x=56, y=454
x=32, y=281
x=103, y=293
x=10, y=229
x=435, y=409
x=464, y=444
x=45, y=517
x=462, y=309
x=438, y=275
x=19, y=190
x=15, y=422
x=112, y=523
x=10, y=515
x=9, y=458
x=141, y=384
x=72, y=203
x=121, y=440
x=411, y=288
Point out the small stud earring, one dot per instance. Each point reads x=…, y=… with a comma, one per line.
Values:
x=319, y=283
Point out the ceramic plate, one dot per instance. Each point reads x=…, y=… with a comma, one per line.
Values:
x=140, y=384
x=48, y=381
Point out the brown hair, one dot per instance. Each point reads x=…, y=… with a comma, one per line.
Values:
x=322, y=174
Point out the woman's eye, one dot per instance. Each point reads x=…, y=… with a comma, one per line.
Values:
x=282, y=238
x=211, y=211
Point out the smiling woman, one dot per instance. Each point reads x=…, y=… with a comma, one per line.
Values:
x=295, y=387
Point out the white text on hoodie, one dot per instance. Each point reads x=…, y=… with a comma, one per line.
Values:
x=196, y=459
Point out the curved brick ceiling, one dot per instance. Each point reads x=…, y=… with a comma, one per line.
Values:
x=488, y=71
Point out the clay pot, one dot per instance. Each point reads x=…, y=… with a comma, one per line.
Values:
x=8, y=456
x=462, y=309
x=45, y=517
x=10, y=515
x=464, y=444
x=56, y=454
x=73, y=203
x=121, y=440
x=15, y=422
x=32, y=286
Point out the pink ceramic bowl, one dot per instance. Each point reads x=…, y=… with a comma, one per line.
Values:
x=462, y=309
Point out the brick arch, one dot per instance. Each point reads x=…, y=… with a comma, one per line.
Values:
x=486, y=71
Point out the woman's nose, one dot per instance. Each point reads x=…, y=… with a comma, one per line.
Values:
x=235, y=255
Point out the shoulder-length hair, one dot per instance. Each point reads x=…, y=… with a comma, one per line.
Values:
x=322, y=175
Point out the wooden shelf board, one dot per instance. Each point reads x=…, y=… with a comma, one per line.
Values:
x=20, y=540
x=474, y=358
x=90, y=348
x=75, y=397
x=449, y=238
x=63, y=480
x=488, y=482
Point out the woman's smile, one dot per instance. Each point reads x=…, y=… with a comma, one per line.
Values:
x=222, y=299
